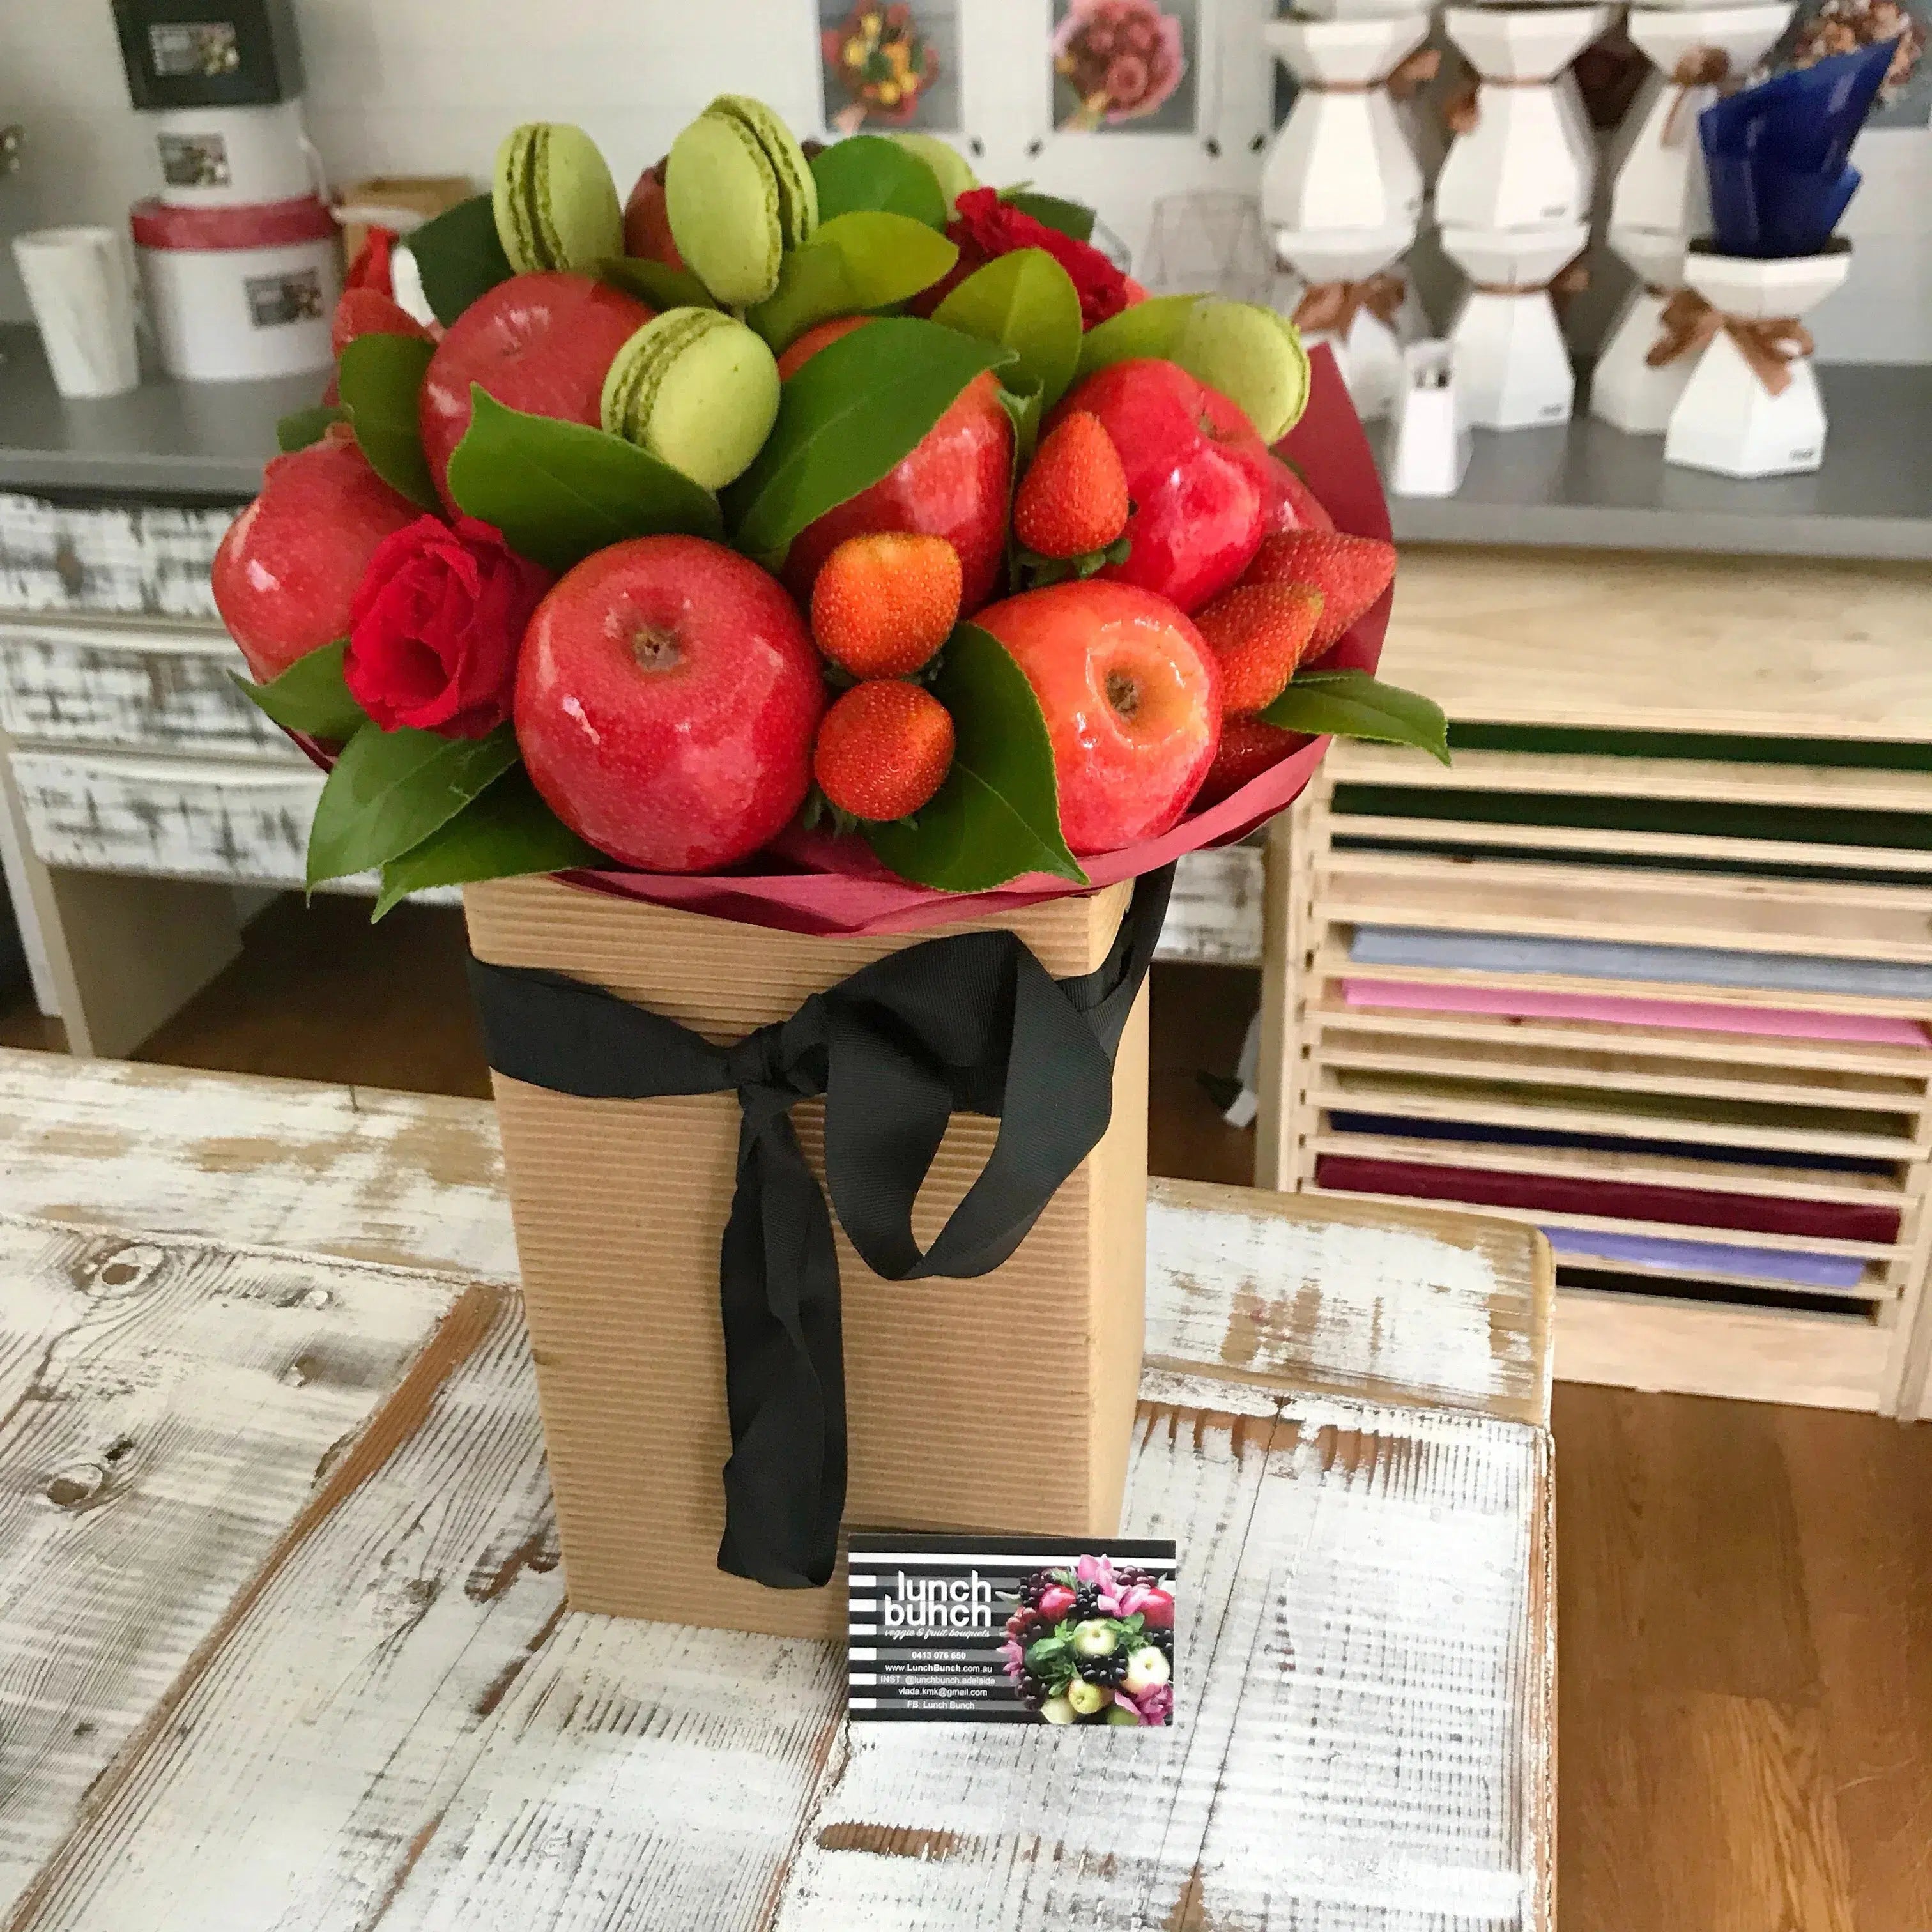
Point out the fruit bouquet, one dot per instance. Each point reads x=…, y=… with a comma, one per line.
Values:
x=863, y=551
x=1093, y=1645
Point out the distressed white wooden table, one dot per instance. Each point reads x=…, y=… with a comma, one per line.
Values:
x=282, y=1637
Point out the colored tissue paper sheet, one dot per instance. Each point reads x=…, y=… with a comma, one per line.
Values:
x=1622, y=1201
x=1621, y=959
x=1390, y=1127
x=1708, y=1259
x=1685, y=1015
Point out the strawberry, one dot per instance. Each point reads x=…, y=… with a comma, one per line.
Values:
x=1351, y=573
x=370, y=312
x=1260, y=632
x=882, y=604
x=1248, y=748
x=884, y=749
x=1073, y=499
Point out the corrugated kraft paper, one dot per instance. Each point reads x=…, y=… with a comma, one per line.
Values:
x=1002, y=1403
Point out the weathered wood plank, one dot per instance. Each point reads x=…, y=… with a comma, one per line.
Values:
x=136, y=560
x=1214, y=917
x=167, y=1410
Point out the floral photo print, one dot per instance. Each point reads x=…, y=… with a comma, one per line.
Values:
x=1125, y=66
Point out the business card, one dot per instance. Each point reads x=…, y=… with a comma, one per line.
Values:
x=986, y=1630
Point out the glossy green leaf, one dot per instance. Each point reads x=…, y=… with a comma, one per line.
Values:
x=559, y=491
x=301, y=427
x=1151, y=327
x=1020, y=397
x=459, y=257
x=505, y=832
x=998, y=815
x=390, y=789
x=868, y=260
x=1352, y=704
x=1069, y=217
x=1027, y=302
x=866, y=171
x=846, y=418
x=381, y=378
x=656, y=282
x=311, y=696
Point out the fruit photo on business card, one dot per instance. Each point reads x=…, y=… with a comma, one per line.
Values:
x=1093, y=1644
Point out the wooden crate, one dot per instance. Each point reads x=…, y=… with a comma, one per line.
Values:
x=1802, y=888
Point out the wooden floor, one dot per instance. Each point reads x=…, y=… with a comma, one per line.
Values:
x=1745, y=1619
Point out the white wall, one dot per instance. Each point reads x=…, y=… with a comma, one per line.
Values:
x=429, y=86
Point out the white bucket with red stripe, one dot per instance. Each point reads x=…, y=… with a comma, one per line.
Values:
x=240, y=293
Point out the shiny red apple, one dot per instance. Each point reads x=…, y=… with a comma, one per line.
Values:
x=1198, y=504
x=957, y=484
x=541, y=343
x=291, y=561
x=1287, y=501
x=1131, y=697
x=666, y=699
x=647, y=233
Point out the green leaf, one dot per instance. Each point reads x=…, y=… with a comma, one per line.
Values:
x=1352, y=704
x=459, y=257
x=1042, y=1654
x=656, y=282
x=504, y=833
x=390, y=789
x=866, y=171
x=1027, y=300
x=559, y=491
x=1020, y=397
x=1151, y=327
x=846, y=417
x=311, y=696
x=301, y=427
x=381, y=378
x=868, y=260
x=1069, y=217
x=997, y=814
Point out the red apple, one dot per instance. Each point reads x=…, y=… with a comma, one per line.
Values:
x=542, y=343
x=1132, y=699
x=291, y=561
x=957, y=484
x=647, y=220
x=667, y=696
x=1287, y=501
x=1198, y=505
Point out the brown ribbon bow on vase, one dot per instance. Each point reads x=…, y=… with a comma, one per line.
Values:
x=1330, y=308
x=1769, y=345
x=1700, y=67
x=1403, y=81
x=1462, y=108
x=1569, y=281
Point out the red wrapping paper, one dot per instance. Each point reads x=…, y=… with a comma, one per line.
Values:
x=848, y=891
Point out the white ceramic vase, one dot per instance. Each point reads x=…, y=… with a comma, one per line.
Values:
x=1370, y=355
x=1728, y=419
x=1428, y=447
x=1341, y=160
x=1625, y=391
x=1659, y=161
x=1529, y=161
x=1512, y=365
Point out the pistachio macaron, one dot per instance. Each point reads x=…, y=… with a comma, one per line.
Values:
x=740, y=192
x=1253, y=356
x=555, y=205
x=696, y=389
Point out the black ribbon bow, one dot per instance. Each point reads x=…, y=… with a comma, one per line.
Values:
x=971, y=1023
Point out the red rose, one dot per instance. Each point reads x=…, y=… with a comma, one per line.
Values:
x=985, y=227
x=435, y=627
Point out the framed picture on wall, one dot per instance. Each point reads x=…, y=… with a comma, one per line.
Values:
x=888, y=66
x=1826, y=27
x=1126, y=67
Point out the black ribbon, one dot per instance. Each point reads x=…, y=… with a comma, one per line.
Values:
x=971, y=1023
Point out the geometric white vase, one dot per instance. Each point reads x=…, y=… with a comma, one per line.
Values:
x=1625, y=389
x=1369, y=351
x=1429, y=448
x=1741, y=420
x=1341, y=160
x=1513, y=366
x=1660, y=182
x=1527, y=161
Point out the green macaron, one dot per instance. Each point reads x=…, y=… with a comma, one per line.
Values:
x=698, y=390
x=555, y=205
x=1253, y=356
x=738, y=192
